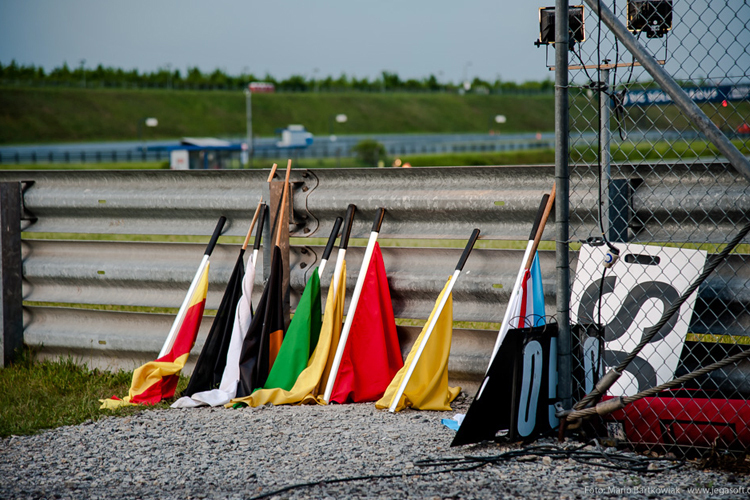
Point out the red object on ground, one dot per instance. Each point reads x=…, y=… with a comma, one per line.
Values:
x=698, y=422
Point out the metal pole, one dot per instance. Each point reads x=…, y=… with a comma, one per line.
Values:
x=11, y=274
x=605, y=137
x=249, y=118
x=562, y=177
x=679, y=96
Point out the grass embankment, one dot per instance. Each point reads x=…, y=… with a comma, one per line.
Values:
x=32, y=115
x=37, y=395
x=29, y=115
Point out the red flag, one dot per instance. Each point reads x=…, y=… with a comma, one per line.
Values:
x=372, y=356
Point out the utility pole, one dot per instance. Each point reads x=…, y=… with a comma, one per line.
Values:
x=83, y=72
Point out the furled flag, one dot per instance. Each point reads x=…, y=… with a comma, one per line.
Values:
x=526, y=304
x=213, y=357
x=372, y=355
x=265, y=334
x=531, y=304
x=423, y=381
x=427, y=389
x=303, y=330
x=157, y=380
x=311, y=382
x=237, y=301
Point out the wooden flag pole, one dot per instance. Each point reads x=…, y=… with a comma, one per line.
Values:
x=186, y=302
x=540, y=221
x=542, y=224
x=283, y=215
x=329, y=246
x=353, y=304
x=273, y=171
x=252, y=224
x=434, y=320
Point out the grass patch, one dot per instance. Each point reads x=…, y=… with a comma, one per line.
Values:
x=662, y=150
x=37, y=395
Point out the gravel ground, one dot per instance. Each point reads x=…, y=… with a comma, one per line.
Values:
x=221, y=453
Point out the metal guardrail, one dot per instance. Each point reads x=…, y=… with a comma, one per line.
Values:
x=440, y=202
x=422, y=203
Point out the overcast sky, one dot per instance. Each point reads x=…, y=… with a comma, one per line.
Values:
x=415, y=38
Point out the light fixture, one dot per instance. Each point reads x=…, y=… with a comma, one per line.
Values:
x=576, y=29
x=654, y=17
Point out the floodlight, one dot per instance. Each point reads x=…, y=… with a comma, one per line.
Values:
x=651, y=16
x=547, y=25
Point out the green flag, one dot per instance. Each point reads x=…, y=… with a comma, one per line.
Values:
x=300, y=339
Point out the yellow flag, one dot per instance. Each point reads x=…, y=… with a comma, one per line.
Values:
x=428, y=386
x=310, y=382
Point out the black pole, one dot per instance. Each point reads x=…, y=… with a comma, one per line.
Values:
x=378, y=220
x=11, y=272
x=347, y=230
x=467, y=250
x=215, y=236
x=259, y=229
x=332, y=238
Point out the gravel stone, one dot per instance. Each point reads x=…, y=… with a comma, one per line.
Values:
x=242, y=453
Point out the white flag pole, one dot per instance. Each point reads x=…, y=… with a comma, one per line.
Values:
x=434, y=320
x=353, y=304
x=184, y=307
x=542, y=215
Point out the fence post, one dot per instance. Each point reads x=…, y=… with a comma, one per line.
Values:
x=11, y=312
x=605, y=156
x=562, y=178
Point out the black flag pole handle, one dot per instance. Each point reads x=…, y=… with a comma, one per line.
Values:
x=538, y=218
x=215, y=237
x=348, y=221
x=469, y=246
x=329, y=246
x=332, y=237
x=378, y=220
x=261, y=223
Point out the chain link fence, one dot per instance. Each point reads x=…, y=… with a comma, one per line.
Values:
x=645, y=182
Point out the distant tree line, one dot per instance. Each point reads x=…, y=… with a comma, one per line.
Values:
x=194, y=79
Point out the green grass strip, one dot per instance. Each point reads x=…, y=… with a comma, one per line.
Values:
x=37, y=395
